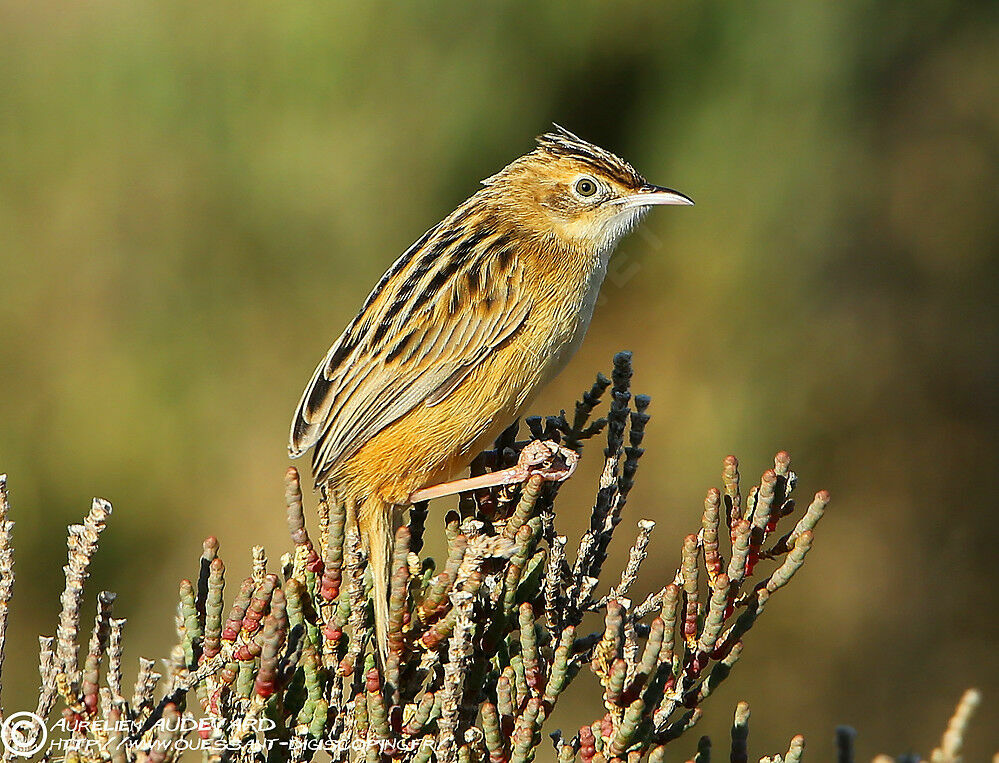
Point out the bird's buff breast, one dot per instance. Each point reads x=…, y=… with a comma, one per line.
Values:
x=431, y=444
x=564, y=345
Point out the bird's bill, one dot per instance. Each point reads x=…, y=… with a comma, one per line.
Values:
x=652, y=196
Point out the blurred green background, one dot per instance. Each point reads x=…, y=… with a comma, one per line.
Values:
x=195, y=197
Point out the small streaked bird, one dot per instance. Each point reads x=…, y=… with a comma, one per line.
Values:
x=463, y=331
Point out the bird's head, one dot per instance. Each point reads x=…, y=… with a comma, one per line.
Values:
x=576, y=191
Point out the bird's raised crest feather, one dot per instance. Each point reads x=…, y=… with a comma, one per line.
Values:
x=561, y=142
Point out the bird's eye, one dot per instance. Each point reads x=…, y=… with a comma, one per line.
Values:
x=586, y=187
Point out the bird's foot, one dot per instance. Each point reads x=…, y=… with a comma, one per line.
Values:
x=545, y=458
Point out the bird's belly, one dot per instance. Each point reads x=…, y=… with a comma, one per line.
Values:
x=431, y=444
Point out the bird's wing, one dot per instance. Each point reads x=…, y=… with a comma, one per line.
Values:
x=450, y=300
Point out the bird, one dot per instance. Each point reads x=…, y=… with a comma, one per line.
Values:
x=462, y=332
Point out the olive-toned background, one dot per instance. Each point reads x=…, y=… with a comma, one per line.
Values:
x=195, y=197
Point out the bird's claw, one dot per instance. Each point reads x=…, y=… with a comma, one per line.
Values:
x=550, y=461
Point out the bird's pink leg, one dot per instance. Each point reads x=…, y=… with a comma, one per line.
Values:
x=552, y=462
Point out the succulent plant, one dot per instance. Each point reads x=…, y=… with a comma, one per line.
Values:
x=483, y=644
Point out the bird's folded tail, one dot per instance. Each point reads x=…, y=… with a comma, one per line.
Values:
x=376, y=519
